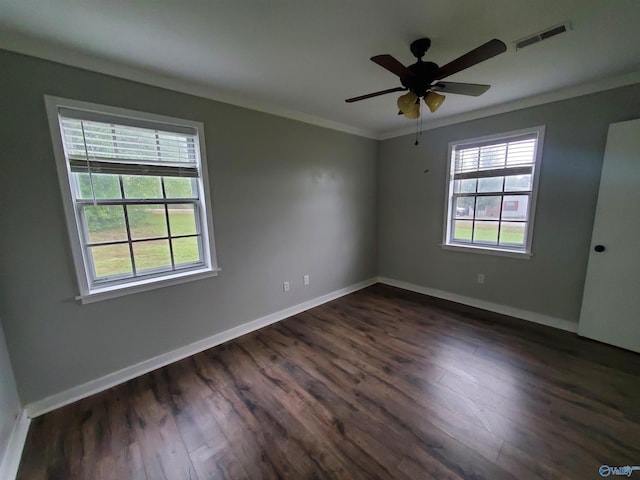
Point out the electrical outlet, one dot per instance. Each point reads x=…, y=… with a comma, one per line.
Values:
x=305, y=280
x=285, y=286
x=481, y=278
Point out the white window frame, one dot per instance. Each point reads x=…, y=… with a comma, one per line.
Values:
x=448, y=243
x=91, y=293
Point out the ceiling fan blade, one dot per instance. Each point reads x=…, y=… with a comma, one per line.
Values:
x=472, y=89
x=483, y=52
x=393, y=65
x=375, y=94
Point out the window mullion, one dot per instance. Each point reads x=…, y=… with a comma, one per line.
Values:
x=128, y=228
x=137, y=201
x=108, y=165
x=502, y=199
x=140, y=240
x=500, y=218
x=475, y=207
x=106, y=244
x=494, y=193
x=166, y=216
x=494, y=172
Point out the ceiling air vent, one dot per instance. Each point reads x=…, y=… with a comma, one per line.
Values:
x=538, y=37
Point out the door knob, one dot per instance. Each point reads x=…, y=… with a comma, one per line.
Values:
x=599, y=248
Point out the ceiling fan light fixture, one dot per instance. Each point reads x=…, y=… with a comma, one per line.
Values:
x=413, y=112
x=409, y=105
x=422, y=79
x=434, y=100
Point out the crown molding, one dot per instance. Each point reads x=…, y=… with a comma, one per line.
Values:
x=40, y=48
x=532, y=101
x=67, y=56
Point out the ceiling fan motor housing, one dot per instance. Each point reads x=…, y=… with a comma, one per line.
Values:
x=420, y=83
x=423, y=71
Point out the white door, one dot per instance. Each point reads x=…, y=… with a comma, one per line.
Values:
x=611, y=303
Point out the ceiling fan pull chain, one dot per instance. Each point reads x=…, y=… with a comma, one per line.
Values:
x=418, y=129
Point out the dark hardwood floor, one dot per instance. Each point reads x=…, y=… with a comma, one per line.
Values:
x=381, y=383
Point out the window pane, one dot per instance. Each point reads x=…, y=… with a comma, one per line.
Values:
x=465, y=186
x=105, y=223
x=176, y=187
x=491, y=184
x=515, y=207
x=152, y=255
x=488, y=208
x=147, y=221
x=462, y=230
x=517, y=183
x=512, y=233
x=464, y=207
x=111, y=261
x=105, y=187
x=485, y=232
x=182, y=219
x=186, y=250
x=141, y=186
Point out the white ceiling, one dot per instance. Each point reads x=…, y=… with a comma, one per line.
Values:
x=302, y=58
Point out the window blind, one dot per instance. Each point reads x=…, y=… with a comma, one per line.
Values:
x=80, y=165
x=512, y=157
x=109, y=147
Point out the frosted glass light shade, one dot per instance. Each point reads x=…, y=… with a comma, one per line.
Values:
x=434, y=100
x=409, y=105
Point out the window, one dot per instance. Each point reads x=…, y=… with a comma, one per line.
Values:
x=492, y=191
x=135, y=192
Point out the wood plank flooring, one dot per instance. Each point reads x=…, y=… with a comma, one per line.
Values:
x=379, y=384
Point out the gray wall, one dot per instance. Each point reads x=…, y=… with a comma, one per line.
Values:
x=411, y=206
x=288, y=199
x=9, y=401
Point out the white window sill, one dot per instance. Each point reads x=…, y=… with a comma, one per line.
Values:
x=488, y=251
x=113, y=291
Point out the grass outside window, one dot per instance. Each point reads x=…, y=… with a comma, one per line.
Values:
x=115, y=260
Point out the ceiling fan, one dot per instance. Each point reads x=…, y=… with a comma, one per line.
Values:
x=422, y=79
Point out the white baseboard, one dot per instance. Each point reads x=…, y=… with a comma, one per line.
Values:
x=92, y=387
x=555, y=322
x=11, y=460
